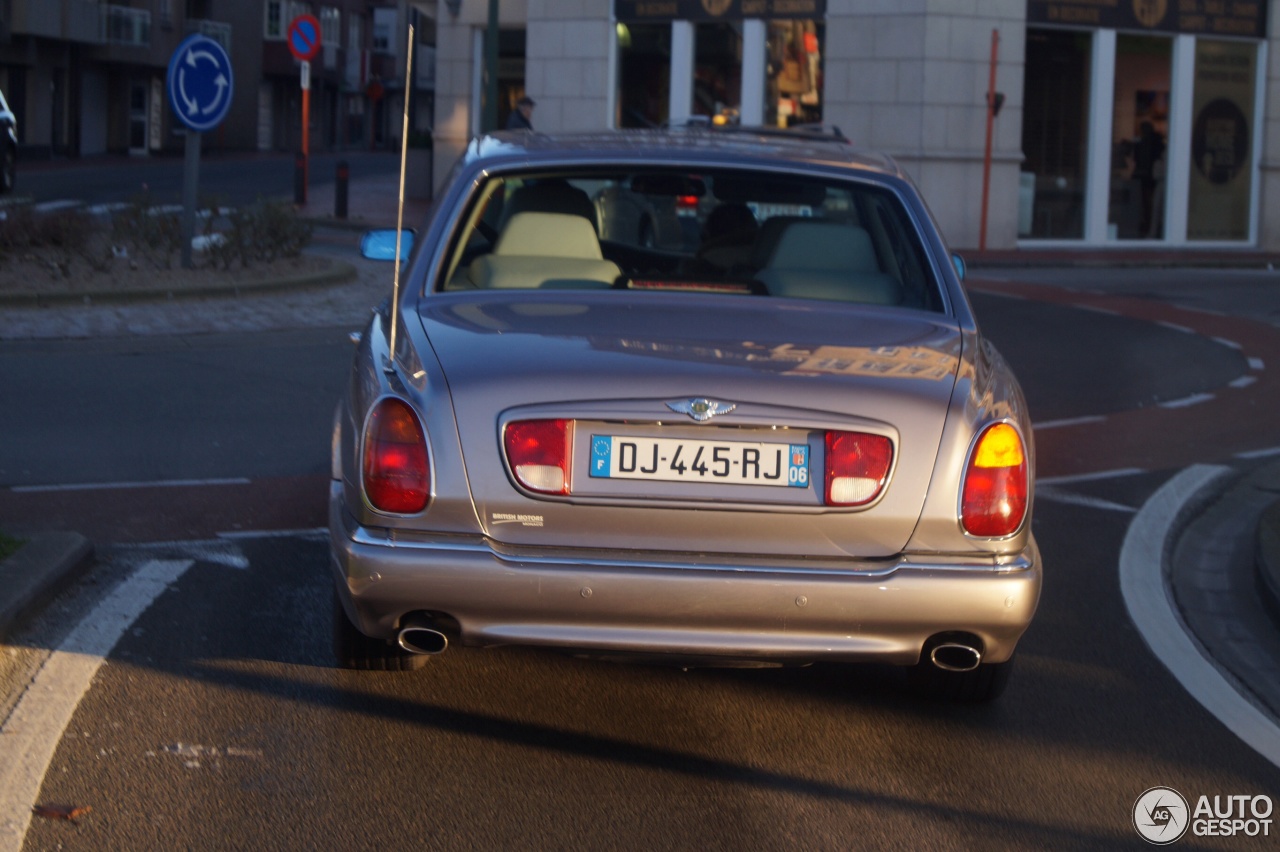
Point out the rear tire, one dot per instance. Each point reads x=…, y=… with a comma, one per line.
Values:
x=8, y=169
x=354, y=650
x=985, y=683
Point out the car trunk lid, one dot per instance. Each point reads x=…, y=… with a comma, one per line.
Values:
x=643, y=370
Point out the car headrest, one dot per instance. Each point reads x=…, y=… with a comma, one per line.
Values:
x=548, y=235
x=822, y=245
x=550, y=196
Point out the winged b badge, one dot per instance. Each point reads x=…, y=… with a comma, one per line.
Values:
x=701, y=409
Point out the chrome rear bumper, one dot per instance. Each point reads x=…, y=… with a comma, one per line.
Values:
x=618, y=604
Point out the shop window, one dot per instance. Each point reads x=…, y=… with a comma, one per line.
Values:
x=1221, y=180
x=793, y=93
x=644, y=74
x=717, y=71
x=1055, y=129
x=1139, y=138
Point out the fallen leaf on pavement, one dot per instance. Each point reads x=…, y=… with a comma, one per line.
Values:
x=67, y=812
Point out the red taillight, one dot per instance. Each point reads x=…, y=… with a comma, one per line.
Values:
x=686, y=202
x=994, y=501
x=857, y=466
x=538, y=451
x=397, y=476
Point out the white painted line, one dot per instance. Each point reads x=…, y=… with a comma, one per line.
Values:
x=1242, y=382
x=1259, y=454
x=1256, y=364
x=109, y=486
x=54, y=206
x=1070, y=421
x=1228, y=343
x=1175, y=327
x=1186, y=401
x=1153, y=612
x=1090, y=477
x=1053, y=495
x=31, y=734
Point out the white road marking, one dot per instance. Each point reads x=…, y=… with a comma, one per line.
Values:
x=1186, y=401
x=108, y=486
x=1089, y=477
x=54, y=206
x=1153, y=612
x=1259, y=454
x=1228, y=343
x=1097, y=310
x=1174, y=326
x=1054, y=495
x=1256, y=364
x=31, y=734
x=1070, y=421
x=1242, y=382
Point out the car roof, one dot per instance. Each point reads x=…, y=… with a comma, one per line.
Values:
x=711, y=146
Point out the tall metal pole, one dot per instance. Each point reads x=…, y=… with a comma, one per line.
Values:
x=986, y=159
x=489, y=118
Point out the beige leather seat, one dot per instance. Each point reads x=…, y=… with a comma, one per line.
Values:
x=815, y=259
x=545, y=250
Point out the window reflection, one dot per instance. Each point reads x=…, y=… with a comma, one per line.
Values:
x=717, y=71
x=793, y=93
x=644, y=74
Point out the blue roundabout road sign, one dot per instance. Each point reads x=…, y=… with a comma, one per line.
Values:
x=200, y=83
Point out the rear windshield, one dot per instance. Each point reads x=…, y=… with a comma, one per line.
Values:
x=725, y=232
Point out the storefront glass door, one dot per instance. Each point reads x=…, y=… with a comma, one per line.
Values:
x=1222, y=133
x=1139, y=138
x=1055, y=134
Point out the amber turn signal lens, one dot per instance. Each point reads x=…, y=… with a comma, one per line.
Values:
x=994, y=499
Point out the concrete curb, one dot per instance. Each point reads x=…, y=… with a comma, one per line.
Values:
x=339, y=273
x=1268, y=559
x=28, y=578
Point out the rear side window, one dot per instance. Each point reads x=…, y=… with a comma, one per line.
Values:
x=735, y=233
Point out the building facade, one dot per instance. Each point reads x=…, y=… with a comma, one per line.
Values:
x=1120, y=123
x=87, y=77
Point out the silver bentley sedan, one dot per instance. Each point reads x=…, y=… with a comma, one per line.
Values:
x=781, y=442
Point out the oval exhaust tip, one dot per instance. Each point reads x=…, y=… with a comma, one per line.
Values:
x=422, y=640
x=954, y=657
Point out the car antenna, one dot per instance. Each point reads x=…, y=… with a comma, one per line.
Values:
x=389, y=364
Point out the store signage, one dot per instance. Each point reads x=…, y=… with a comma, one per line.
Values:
x=1195, y=17
x=716, y=10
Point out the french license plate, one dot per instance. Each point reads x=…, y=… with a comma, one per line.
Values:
x=688, y=460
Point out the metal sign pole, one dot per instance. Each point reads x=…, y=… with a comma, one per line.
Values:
x=190, y=188
x=306, y=126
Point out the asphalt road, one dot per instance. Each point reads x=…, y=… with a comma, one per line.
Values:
x=220, y=721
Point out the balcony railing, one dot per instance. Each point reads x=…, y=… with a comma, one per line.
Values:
x=216, y=30
x=123, y=25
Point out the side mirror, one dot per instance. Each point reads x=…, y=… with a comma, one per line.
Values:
x=961, y=267
x=381, y=244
